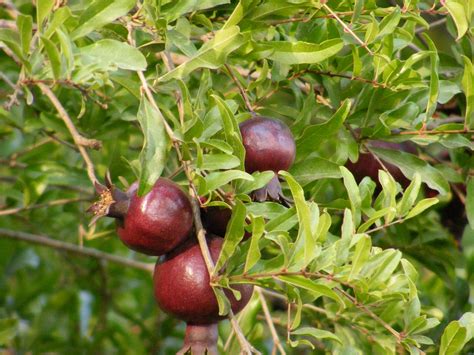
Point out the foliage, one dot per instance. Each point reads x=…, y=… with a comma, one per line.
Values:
x=159, y=86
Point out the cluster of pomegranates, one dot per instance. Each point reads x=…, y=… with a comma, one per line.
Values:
x=160, y=223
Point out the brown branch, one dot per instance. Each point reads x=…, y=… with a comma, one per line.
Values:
x=374, y=83
x=268, y=318
x=243, y=93
x=85, y=91
x=74, y=249
x=348, y=29
x=80, y=141
x=371, y=314
x=423, y=132
x=42, y=205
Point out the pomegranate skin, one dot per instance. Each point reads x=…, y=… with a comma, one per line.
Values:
x=158, y=222
x=367, y=165
x=269, y=144
x=215, y=220
x=181, y=285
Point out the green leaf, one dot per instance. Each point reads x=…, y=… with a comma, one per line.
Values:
x=153, y=154
x=313, y=136
x=309, y=170
x=305, y=232
x=8, y=330
x=316, y=289
x=388, y=261
x=410, y=164
x=212, y=54
x=25, y=27
x=259, y=180
x=374, y=218
x=353, y=193
x=54, y=57
x=233, y=236
x=361, y=255
x=43, y=9
x=468, y=88
x=421, y=207
x=300, y=52
x=222, y=301
x=343, y=244
x=434, y=79
x=470, y=202
x=253, y=254
x=112, y=53
x=409, y=196
x=59, y=17
x=458, y=11
x=389, y=23
x=231, y=129
x=218, y=179
x=467, y=321
x=317, y=334
x=453, y=339
x=100, y=13
x=179, y=8
x=219, y=161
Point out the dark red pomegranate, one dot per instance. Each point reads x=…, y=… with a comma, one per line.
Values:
x=182, y=289
x=367, y=165
x=269, y=145
x=153, y=224
x=215, y=220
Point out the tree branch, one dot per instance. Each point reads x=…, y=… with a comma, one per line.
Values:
x=80, y=141
x=268, y=318
x=348, y=29
x=74, y=249
x=243, y=93
x=41, y=205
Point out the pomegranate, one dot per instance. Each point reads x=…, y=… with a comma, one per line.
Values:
x=182, y=289
x=269, y=145
x=153, y=224
x=367, y=165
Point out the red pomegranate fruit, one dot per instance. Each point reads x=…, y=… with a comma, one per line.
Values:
x=269, y=145
x=153, y=224
x=215, y=220
x=182, y=289
x=367, y=165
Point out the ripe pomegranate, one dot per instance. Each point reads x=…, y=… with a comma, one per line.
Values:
x=182, y=289
x=153, y=224
x=215, y=220
x=269, y=145
x=367, y=165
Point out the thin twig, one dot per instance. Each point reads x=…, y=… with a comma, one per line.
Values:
x=268, y=317
x=432, y=24
x=74, y=249
x=366, y=310
x=374, y=83
x=425, y=132
x=80, y=141
x=243, y=93
x=348, y=29
x=41, y=205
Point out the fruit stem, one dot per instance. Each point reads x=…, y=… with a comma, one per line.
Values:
x=200, y=339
